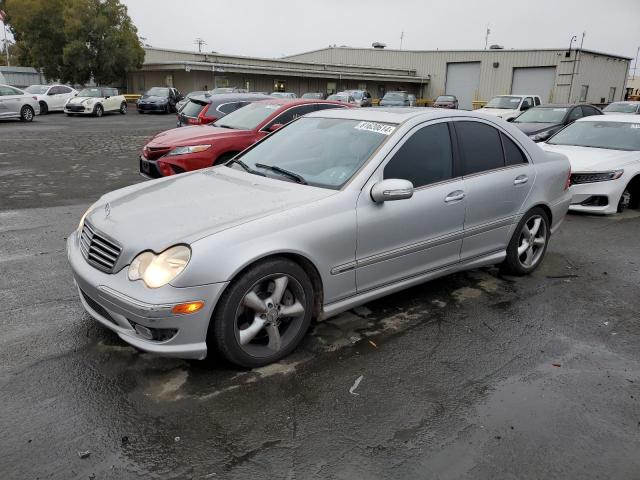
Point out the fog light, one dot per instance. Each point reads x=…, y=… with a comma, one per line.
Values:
x=143, y=331
x=186, y=308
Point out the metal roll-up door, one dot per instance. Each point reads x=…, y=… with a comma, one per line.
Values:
x=462, y=81
x=535, y=81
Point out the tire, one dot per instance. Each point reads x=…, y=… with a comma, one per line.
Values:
x=123, y=108
x=167, y=109
x=248, y=327
x=222, y=159
x=531, y=253
x=26, y=114
x=44, y=108
x=98, y=111
x=625, y=200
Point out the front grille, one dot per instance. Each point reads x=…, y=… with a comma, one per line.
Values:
x=578, y=178
x=96, y=307
x=98, y=250
x=155, y=152
x=75, y=108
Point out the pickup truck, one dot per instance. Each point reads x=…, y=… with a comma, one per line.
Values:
x=510, y=106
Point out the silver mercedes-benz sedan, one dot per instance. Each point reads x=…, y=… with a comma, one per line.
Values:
x=335, y=209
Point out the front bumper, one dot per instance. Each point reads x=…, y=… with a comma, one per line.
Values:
x=121, y=305
x=597, y=197
x=152, y=107
x=78, y=108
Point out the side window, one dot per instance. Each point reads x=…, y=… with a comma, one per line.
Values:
x=528, y=101
x=54, y=91
x=64, y=89
x=588, y=111
x=6, y=91
x=512, y=153
x=575, y=114
x=480, y=147
x=327, y=106
x=425, y=158
x=537, y=100
x=225, y=107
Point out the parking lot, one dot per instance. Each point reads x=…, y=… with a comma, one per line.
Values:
x=476, y=375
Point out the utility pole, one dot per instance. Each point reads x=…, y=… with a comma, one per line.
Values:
x=200, y=42
x=573, y=69
x=635, y=66
x=401, y=39
x=486, y=37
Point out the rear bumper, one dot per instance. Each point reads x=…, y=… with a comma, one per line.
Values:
x=122, y=305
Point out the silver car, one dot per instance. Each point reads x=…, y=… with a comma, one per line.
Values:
x=14, y=103
x=335, y=209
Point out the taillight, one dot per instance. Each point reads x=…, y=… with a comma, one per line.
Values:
x=193, y=121
x=567, y=183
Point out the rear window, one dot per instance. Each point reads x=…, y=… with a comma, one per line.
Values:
x=192, y=109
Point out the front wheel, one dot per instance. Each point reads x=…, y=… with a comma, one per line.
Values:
x=44, y=108
x=528, y=244
x=98, y=111
x=264, y=314
x=26, y=114
x=123, y=108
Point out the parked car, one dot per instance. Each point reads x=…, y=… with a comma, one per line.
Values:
x=540, y=123
x=159, y=99
x=209, y=108
x=288, y=95
x=362, y=97
x=622, y=107
x=342, y=98
x=51, y=97
x=314, y=96
x=199, y=146
x=189, y=96
x=14, y=103
x=446, y=101
x=510, y=106
x=330, y=212
x=222, y=90
x=604, y=152
x=412, y=100
x=96, y=101
x=395, y=99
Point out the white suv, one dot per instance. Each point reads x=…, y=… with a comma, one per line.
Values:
x=510, y=106
x=51, y=97
x=96, y=101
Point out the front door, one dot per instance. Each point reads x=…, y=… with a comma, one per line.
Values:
x=402, y=238
x=497, y=181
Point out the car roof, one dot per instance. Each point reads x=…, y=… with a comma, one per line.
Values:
x=393, y=115
x=296, y=101
x=615, y=117
x=230, y=97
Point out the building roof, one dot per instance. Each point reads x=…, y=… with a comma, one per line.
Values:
x=5, y=69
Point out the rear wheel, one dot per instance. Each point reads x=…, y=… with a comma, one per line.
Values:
x=44, y=108
x=26, y=114
x=98, y=110
x=123, y=108
x=528, y=244
x=264, y=314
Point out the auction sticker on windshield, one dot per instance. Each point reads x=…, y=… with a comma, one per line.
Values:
x=375, y=127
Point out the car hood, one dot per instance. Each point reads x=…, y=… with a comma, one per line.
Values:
x=82, y=99
x=192, y=135
x=498, y=112
x=585, y=159
x=185, y=208
x=393, y=102
x=533, y=128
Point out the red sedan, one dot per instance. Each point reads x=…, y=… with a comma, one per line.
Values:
x=191, y=148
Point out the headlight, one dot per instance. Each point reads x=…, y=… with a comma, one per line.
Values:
x=81, y=224
x=578, y=178
x=158, y=270
x=539, y=137
x=88, y=101
x=188, y=149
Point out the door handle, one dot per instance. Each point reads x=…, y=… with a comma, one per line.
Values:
x=454, y=196
x=519, y=180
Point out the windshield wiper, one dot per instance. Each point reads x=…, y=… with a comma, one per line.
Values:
x=282, y=171
x=246, y=167
x=223, y=126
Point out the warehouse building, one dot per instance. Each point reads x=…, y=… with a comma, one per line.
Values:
x=474, y=76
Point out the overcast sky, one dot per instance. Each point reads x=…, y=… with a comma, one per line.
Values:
x=284, y=27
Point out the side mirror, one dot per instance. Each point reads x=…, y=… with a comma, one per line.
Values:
x=275, y=126
x=391, y=189
x=524, y=107
x=511, y=119
x=107, y=96
x=49, y=93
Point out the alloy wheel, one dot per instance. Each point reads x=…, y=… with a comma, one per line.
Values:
x=27, y=114
x=270, y=315
x=532, y=241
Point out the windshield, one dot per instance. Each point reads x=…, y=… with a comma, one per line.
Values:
x=158, y=92
x=325, y=152
x=312, y=95
x=37, y=89
x=395, y=96
x=615, y=107
x=510, y=103
x=338, y=98
x=90, y=92
x=249, y=117
x=609, y=135
x=445, y=98
x=542, y=115
x=280, y=94
x=356, y=94
x=192, y=109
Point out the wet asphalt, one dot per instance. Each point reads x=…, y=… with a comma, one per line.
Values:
x=473, y=376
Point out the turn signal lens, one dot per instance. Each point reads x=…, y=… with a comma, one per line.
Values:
x=186, y=308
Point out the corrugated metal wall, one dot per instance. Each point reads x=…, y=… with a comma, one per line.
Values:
x=600, y=72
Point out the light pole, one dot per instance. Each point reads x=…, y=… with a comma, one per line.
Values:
x=635, y=66
x=573, y=70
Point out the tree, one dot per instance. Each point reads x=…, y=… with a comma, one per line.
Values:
x=75, y=40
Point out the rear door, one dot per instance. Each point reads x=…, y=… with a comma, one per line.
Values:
x=497, y=180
